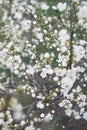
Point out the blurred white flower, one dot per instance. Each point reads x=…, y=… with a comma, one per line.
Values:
x=1, y=121
x=50, y=71
x=68, y=112
x=69, y=79
x=17, y=109
x=44, y=6
x=43, y=73
x=30, y=70
x=61, y=6
x=1, y=1
x=17, y=115
x=46, y=55
x=18, y=15
x=79, y=52
x=42, y=115
x=48, y=117
x=30, y=128
x=40, y=105
x=55, y=78
x=82, y=110
x=85, y=115
x=63, y=49
x=75, y=0
x=82, y=12
x=63, y=35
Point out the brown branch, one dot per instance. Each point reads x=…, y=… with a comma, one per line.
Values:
x=71, y=36
x=76, y=83
x=31, y=19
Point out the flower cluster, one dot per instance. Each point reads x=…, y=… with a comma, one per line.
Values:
x=43, y=63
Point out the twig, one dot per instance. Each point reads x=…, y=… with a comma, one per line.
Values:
x=77, y=81
x=71, y=36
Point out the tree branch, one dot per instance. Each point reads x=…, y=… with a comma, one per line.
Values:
x=71, y=36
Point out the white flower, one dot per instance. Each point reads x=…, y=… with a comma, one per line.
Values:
x=18, y=15
x=43, y=74
x=26, y=24
x=82, y=110
x=59, y=72
x=82, y=104
x=64, y=102
x=63, y=49
x=77, y=117
x=82, y=42
x=22, y=122
x=30, y=128
x=50, y=71
x=40, y=105
x=62, y=32
x=79, y=52
x=17, y=109
x=2, y=115
x=44, y=6
x=1, y=1
x=48, y=117
x=55, y=78
x=69, y=79
x=42, y=115
x=54, y=7
x=1, y=121
x=78, y=89
x=68, y=112
x=75, y=0
x=85, y=116
x=63, y=35
x=82, y=11
x=38, y=129
x=30, y=70
x=61, y=6
x=46, y=55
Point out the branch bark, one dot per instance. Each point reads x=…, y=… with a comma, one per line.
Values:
x=71, y=36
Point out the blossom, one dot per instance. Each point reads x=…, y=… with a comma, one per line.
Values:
x=61, y=6
x=55, y=78
x=44, y=6
x=59, y=71
x=85, y=115
x=82, y=11
x=50, y=71
x=46, y=55
x=63, y=49
x=68, y=112
x=42, y=115
x=79, y=52
x=30, y=127
x=63, y=36
x=43, y=74
x=40, y=105
x=48, y=117
x=75, y=0
x=17, y=109
x=30, y=70
x=1, y=1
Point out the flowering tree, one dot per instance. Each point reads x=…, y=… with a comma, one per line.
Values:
x=43, y=64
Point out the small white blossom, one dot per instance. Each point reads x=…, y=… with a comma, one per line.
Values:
x=30, y=128
x=85, y=115
x=44, y=6
x=82, y=11
x=40, y=105
x=48, y=117
x=61, y=6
